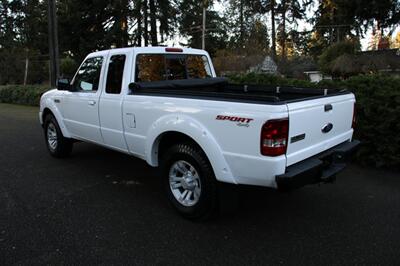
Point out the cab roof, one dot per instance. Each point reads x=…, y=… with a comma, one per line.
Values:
x=153, y=50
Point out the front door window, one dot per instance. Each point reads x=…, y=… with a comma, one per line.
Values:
x=88, y=76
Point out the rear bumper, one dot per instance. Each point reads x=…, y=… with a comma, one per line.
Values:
x=321, y=168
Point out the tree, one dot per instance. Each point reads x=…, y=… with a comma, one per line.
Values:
x=249, y=33
x=153, y=23
x=91, y=33
x=290, y=11
x=338, y=20
x=190, y=23
x=167, y=16
x=11, y=20
x=334, y=51
x=258, y=39
x=264, y=7
x=240, y=18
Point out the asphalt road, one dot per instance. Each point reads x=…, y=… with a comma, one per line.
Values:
x=102, y=207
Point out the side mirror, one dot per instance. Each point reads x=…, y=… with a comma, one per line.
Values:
x=64, y=85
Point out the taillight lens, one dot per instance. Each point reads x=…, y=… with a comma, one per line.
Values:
x=353, y=124
x=274, y=137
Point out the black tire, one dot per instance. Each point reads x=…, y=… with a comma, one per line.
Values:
x=63, y=146
x=206, y=205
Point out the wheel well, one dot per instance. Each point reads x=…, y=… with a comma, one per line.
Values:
x=46, y=112
x=169, y=139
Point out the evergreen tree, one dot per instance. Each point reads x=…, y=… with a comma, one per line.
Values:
x=290, y=11
x=190, y=24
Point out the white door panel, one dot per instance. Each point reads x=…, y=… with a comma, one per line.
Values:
x=81, y=115
x=116, y=81
x=81, y=106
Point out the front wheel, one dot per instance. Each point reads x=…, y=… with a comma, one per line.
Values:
x=189, y=181
x=57, y=145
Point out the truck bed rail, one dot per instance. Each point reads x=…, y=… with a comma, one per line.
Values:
x=221, y=89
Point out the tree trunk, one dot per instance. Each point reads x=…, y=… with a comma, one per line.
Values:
x=124, y=25
x=241, y=38
x=153, y=23
x=273, y=33
x=283, y=33
x=146, y=24
x=139, y=23
x=161, y=34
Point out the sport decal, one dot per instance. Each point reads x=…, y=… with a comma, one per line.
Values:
x=240, y=121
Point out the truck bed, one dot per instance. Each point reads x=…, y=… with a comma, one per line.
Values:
x=220, y=89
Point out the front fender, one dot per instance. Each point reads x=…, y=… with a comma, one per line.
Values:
x=47, y=102
x=195, y=130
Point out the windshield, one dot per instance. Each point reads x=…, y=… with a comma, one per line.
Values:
x=158, y=67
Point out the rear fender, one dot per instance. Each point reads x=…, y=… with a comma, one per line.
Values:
x=195, y=130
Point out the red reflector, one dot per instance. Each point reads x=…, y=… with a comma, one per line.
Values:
x=174, y=50
x=353, y=124
x=274, y=137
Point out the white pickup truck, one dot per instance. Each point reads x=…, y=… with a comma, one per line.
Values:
x=166, y=106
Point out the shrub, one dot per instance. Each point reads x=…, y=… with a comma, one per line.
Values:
x=18, y=94
x=378, y=112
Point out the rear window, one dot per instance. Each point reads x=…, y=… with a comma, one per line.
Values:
x=158, y=67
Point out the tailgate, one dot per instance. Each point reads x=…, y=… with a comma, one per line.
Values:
x=317, y=125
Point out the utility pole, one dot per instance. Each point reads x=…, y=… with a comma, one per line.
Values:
x=54, y=67
x=203, y=37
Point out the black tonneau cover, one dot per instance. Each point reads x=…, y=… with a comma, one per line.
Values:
x=221, y=89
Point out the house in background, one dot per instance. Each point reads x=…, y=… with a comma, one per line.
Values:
x=267, y=66
x=316, y=76
x=367, y=62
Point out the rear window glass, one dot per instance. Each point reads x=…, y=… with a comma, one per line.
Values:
x=157, y=67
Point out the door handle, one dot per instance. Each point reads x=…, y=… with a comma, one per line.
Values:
x=91, y=103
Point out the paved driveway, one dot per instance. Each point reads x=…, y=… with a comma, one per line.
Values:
x=99, y=206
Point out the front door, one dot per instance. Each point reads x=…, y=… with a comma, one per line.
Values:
x=81, y=111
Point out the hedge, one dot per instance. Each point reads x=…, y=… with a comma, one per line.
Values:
x=378, y=110
x=18, y=94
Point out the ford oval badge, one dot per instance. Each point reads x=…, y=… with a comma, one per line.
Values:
x=328, y=127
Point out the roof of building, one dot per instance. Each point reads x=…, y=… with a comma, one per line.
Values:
x=368, y=61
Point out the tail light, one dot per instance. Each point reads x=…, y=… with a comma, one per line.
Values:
x=274, y=137
x=353, y=124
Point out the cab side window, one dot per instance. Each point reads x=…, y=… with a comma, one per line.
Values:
x=88, y=76
x=115, y=74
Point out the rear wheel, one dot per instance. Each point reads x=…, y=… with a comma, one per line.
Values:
x=57, y=145
x=189, y=181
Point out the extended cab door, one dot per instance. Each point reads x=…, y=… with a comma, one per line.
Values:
x=80, y=106
x=117, y=76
